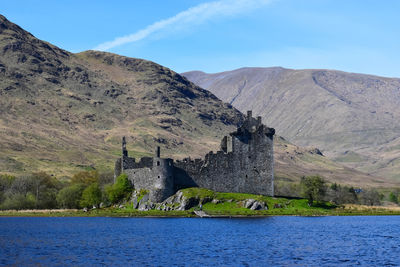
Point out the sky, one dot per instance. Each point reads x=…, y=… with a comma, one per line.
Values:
x=361, y=36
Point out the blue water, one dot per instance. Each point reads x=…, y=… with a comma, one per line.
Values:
x=288, y=241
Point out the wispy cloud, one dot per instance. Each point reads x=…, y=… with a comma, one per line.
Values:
x=192, y=16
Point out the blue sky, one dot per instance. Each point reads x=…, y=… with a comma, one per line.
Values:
x=356, y=36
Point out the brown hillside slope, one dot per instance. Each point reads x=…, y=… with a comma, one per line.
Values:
x=64, y=112
x=353, y=118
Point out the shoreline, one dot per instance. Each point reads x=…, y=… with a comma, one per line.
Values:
x=190, y=213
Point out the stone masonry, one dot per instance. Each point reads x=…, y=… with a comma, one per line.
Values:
x=245, y=164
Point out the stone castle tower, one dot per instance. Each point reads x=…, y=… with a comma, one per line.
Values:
x=245, y=164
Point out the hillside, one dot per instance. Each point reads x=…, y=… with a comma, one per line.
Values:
x=63, y=112
x=353, y=118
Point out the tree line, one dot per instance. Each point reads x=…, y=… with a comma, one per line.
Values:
x=315, y=188
x=86, y=189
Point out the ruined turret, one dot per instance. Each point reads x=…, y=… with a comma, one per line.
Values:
x=124, y=151
x=245, y=164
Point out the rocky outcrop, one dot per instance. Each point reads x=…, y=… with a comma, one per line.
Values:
x=255, y=205
x=180, y=202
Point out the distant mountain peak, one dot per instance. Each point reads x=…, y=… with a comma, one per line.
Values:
x=333, y=110
x=62, y=112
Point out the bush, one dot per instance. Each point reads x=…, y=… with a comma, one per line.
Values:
x=19, y=201
x=341, y=194
x=91, y=196
x=313, y=188
x=120, y=190
x=5, y=184
x=393, y=197
x=69, y=197
x=370, y=197
x=45, y=190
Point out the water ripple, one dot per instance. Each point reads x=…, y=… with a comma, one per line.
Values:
x=278, y=241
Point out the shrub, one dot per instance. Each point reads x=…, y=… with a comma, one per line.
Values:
x=19, y=201
x=393, y=197
x=69, y=197
x=91, y=196
x=120, y=190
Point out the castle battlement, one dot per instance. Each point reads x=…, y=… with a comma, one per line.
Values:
x=244, y=165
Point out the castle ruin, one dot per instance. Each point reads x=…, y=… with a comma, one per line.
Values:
x=245, y=164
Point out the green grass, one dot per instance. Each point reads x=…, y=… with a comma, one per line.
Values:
x=196, y=192
x=232, y=204
x=228, y=205
x=105, y=212
x=227, y=209
x=350, y=157
x=141, y=194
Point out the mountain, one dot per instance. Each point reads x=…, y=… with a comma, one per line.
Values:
x=62, y=112
x=353, y=118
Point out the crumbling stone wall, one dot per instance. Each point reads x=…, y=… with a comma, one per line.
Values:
x=246, y=168
x=157, y=177
x=245, y=164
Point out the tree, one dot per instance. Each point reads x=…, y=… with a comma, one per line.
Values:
x=69, y=197
x=85, y=177
x=19, y=201
x=394, y=197
x=91, y=196
x=120, y=190
x=18, y=195
x=313, y=188
x=45, y=190
x=37, y=190
x=106, y=177
x=5, y=183
x=370, y=197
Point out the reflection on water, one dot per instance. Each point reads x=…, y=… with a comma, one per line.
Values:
x=291, y=241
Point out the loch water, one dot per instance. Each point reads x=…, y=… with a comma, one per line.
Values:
x=270, y=241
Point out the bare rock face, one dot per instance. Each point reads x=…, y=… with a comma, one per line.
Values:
x=180, y=202
x=134, y=200
x=145, y=204
x=188, y=203
x=257, y=205
x=249, y=203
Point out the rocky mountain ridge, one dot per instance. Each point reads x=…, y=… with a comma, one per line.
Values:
x=353, y=118
x=63, y=112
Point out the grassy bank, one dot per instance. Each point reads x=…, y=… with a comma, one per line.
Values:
x=216, y=204
x=111, y=212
